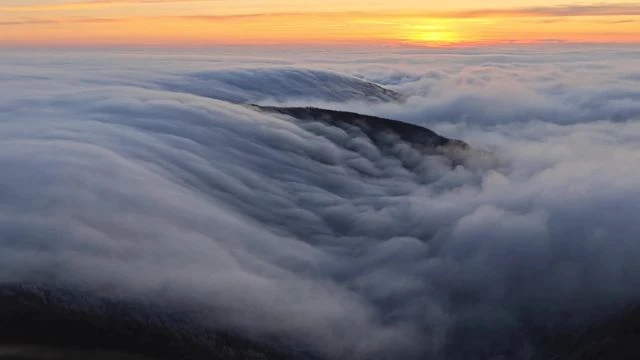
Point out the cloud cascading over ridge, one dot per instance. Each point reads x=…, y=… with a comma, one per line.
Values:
x=137, y=180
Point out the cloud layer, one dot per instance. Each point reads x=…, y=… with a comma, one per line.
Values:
x=118, y=181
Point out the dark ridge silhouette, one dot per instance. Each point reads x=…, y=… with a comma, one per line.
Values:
x=41, y=322
x=373, y=127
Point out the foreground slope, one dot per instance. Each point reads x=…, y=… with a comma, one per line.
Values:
x=44, y=322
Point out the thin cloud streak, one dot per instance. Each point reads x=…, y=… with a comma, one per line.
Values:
x=83, y=5
x=619, y=9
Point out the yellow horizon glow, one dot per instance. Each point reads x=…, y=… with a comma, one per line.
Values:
x=439, y=28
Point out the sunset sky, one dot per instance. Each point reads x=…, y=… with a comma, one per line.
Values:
x=414, y=22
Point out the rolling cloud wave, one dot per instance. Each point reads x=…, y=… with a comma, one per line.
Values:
x=269, y=224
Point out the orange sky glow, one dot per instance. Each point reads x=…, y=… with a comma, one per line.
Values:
x=200, y=22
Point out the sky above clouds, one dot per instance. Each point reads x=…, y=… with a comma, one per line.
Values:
x=191, y=22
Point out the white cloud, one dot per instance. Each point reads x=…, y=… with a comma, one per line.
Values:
x=112, y=181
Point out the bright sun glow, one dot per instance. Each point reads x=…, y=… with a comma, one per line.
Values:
x=436, y=37
x=435, y=32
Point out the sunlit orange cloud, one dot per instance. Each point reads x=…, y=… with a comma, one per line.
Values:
x=195, y=30
x=328, y=28
x=93, y=4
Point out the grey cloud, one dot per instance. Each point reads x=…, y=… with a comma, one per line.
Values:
x=491, y=89
x=123, y=183
x=567, y=10
x=587, y=10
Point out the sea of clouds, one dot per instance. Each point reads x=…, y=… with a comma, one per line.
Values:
x=142, y=174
